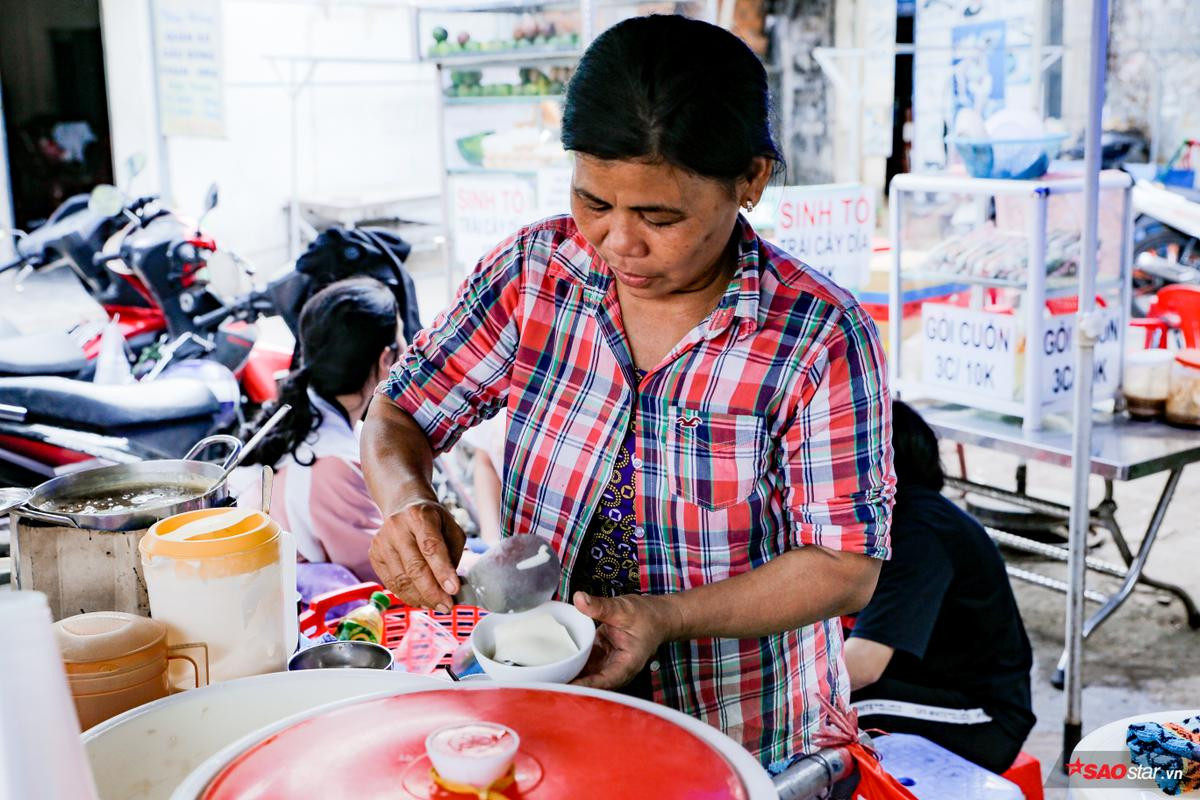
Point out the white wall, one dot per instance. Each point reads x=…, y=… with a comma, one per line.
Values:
x=362, y=128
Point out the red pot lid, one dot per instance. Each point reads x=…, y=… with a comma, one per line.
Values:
x=572, y=745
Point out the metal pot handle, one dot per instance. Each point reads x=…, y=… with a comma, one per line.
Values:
x=234, y=443
x=63, y=520
x=16, y=501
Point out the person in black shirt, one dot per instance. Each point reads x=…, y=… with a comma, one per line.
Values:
x=940, y=650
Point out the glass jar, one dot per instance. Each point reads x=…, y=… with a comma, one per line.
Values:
x=1146, y=382
x=1183, y=399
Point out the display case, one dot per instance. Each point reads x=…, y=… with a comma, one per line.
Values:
x=1003, y=339
x=502, y=69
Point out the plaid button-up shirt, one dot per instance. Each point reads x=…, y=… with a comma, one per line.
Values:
x=766, y=429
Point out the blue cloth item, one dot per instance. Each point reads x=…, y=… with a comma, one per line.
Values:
x=317, y=578
x=1172, y=748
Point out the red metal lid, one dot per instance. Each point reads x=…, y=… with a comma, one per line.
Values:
x=572, y=745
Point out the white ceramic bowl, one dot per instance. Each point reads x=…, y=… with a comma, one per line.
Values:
x=580, y=627
x=450, y=750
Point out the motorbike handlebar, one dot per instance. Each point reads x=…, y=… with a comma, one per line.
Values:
x=213, y=317
x=248, y=304
x=100, y=259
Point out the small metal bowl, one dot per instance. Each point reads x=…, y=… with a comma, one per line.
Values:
x=343, y=655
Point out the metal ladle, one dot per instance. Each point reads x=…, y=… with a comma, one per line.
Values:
x=516, y=574
x=253, y=442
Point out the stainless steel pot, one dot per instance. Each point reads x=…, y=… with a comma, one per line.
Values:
x=87, y=562
x=200, y=481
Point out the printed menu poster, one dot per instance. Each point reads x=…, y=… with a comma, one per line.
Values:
x=188, y=58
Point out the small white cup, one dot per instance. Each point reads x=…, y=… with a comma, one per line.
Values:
x=473, y=753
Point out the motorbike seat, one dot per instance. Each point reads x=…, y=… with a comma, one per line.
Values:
x=61, y=400
x=41, y=354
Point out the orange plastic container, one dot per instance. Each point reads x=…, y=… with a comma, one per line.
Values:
x=115, y=661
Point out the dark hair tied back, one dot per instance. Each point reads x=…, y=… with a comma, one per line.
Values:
x=915, y=450
x=672, y=89
x=343, y=330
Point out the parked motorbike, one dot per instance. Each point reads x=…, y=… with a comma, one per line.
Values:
x=1166, y=228
x=50, y=423
x=153, y=267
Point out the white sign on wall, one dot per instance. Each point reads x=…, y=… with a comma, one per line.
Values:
x=191, y=86
x=828, y=228
x=487, y=209
x=1058, y=349
x=970, y=351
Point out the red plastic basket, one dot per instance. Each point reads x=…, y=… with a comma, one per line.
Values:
x=459, y=621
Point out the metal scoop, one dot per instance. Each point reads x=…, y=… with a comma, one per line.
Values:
x=517, y=574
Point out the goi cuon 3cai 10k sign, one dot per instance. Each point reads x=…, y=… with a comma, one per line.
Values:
x=983, y=354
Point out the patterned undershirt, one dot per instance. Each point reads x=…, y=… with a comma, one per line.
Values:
x=609, y=565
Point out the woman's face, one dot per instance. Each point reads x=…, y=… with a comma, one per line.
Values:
x=662, y=230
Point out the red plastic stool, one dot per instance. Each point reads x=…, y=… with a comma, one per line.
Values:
x=1026, y=772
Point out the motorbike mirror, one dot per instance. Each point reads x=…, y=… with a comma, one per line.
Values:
x=210, y=202
x=210, y=198
x=106, y=201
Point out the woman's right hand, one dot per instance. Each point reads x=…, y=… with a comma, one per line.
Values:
x=415, y=551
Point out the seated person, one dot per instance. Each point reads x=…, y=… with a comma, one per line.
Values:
x=940, y=650
x=349, y=339
x=488, y=440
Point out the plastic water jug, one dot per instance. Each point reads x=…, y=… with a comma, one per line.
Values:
x=225, y=577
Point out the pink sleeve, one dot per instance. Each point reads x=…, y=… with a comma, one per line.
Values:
x=344, y=516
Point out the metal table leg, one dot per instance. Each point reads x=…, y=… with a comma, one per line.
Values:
x=1133, y=575
x=1102, y=516
x=1139, y=562
x=1105, y=514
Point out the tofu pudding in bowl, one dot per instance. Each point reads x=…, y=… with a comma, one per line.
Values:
x=550, y=643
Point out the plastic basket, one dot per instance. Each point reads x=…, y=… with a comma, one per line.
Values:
x=1021, y=159
x=459, y=621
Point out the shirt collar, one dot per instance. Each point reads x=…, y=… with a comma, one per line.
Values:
x=575, y=256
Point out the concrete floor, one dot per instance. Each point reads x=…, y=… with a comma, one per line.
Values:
x=1143, y=658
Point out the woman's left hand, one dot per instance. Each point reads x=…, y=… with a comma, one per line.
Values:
x=631, y=629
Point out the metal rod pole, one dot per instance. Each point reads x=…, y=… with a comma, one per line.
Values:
x=1085, y=333
x=1035, y=311
x=895, y=292
x=162, y=149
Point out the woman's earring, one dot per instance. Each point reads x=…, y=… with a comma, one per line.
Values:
x=748, y=205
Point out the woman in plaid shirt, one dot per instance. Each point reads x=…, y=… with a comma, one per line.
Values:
x=697, y=422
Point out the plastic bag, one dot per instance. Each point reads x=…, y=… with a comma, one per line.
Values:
x=423, y=645
x=112, y=365
x=840, y=729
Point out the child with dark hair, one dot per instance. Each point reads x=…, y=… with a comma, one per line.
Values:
x=349, y=339
x=940, y=650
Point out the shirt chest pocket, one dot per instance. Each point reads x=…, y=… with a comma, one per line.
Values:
x=714, y=460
